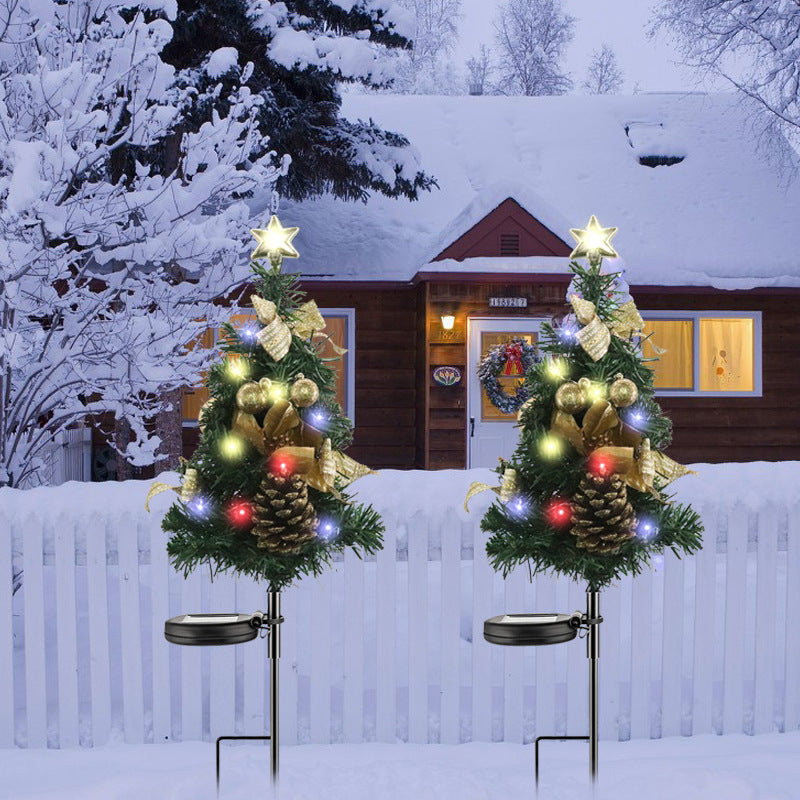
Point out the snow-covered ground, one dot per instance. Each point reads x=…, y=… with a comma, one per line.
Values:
x=698, y=768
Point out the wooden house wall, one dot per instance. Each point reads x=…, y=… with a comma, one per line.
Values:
x=385, y=368
x=706, y=429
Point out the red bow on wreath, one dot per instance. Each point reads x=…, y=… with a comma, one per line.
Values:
x=513, y=356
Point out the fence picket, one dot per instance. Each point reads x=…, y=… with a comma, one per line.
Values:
x=99, y=655
x=353, y=623
x=35, y=623
x=321, y=616
x=704, y=623
x=130, y=630
x=191, y=673
x=609, y=664
x=159, y=600
x=735, y=608
x=578, y=670
x=482, y=688
x=288, y=667
x=250, y=597
x=450, y=635
x=513, y=663
x=766, y=576
x=66, y=631
x=418, y=628
x=386, y=626
x=672, y=647
x=545, y=663
x=6, y=634
x=641, y=633
x=791, y=686
x=222, y=663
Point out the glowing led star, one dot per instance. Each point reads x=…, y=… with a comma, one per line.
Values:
x=275, y=242
x=594, y=241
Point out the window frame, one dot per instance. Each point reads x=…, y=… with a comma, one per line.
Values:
x=695, y=317
x=350, y=373
x=350, y=368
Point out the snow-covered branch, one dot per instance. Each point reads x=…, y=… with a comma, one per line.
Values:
x=110, y=256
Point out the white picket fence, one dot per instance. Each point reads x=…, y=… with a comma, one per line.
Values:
x=392, y=648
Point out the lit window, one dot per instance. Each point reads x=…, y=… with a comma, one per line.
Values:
x=339, y=327
x=704, y=353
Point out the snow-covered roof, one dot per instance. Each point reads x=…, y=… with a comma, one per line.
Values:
x=724, y=216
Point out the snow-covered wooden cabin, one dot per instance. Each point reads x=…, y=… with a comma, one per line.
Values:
x=707, y=239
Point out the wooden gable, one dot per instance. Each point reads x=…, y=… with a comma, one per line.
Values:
x=508, y=230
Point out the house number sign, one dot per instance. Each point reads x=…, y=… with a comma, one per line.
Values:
x=508, y=302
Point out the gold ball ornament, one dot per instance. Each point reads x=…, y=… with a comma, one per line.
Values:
x=304, y=392
x=623, y=392
x=570, y=397
x=251, y=398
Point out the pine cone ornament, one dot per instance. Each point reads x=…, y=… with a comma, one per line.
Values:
x=284, y=518
x=602, y=517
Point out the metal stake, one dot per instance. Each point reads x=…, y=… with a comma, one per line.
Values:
x=272, y=621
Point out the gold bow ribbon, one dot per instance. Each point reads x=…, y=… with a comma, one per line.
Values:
x=595, y=336
x=299, y=441
x=187, y=490
x=276, y=337
x=507, y=489
x=602, y=433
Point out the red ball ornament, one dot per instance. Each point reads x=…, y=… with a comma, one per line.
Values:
x=559, y=513
x=240, y=514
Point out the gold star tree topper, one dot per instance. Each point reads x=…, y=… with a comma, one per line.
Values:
x=594, y=242
x=275, y=242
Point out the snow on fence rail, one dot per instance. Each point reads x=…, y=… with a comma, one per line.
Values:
x=392, y=648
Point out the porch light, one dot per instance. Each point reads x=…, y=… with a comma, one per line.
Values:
x=448, y=322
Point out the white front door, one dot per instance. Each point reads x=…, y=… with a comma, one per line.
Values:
x=491, y=433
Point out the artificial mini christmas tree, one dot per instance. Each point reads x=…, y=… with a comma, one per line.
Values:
x=582, y=494
x=264, y=488
x=263, y=494
x=586, y=499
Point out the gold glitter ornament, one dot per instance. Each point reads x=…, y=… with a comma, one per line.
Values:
x=623, y=392
x=251, y=398
x=190, y=486
x=509, y=486
x=304, y=392
x=571, y=398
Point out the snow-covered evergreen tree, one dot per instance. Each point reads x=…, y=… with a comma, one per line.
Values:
x=106, y=209
x=300, y=50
